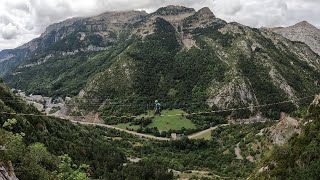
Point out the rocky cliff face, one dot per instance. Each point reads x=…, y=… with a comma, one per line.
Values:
x=296, y=153
x=103, y=25
x=287, y=127
x=314, y=109
x=9, y=59
x=7, y=173
x=303, y=32
x=204, y=17
x=102, y=31
x=174, y=11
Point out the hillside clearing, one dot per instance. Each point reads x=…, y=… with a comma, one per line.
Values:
x=170, y=120
x=206, y=136
x=127, y=126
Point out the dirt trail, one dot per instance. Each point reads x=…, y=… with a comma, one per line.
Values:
x=237, y=151
x=193, y=136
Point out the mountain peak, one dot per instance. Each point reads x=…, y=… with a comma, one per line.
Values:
x=303, y=32
x=205, y=12
x=304, y=24
x=125, y=12
x=202, y=18
x=174, y=10
x=59, y=25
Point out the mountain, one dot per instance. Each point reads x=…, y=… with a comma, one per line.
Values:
x=10, y=59
x=117, y=62
x=303, y=32
x=105, y=25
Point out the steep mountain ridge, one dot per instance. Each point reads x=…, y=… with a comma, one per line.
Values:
x=10, y=59
x=303, y=32
x=238, y=89
x=177, y=55
x=80, y=35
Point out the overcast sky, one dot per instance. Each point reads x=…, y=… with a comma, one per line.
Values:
x=23, y=20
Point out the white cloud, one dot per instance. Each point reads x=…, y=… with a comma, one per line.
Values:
x=259, y=13
x=23, y=20
x=9, y=31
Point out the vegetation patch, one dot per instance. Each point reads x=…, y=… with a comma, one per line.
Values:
x=205, y=136
x=128, y=126
x=170, y=120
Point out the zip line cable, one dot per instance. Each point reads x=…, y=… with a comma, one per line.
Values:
x=98, y=104
x=93, y=103
x=117, y=98
x=114, y=102
x=109, y=104
x=182, y=114
x=111, y=99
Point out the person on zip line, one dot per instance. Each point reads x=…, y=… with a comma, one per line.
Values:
x=157, y=108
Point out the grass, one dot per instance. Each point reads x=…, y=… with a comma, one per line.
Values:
x=205, y=136
x=172, y=122
x=127, y=125
x=196, y=175
x=168, y=121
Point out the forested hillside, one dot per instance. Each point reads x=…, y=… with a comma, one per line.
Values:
x=99, y=152
x=175, y=55
x=32, y=143
x=105, y=151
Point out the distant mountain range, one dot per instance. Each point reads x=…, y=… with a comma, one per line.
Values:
x=303, y=32
x=176, y=54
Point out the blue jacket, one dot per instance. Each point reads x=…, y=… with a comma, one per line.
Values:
x=158, y=106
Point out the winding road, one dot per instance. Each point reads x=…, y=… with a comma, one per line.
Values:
x=147, y=136
x=123, y=130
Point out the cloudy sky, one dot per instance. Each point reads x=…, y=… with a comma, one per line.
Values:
x=23, y=20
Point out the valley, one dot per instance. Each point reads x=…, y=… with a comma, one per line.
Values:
x=233, y=102
x=169, y=121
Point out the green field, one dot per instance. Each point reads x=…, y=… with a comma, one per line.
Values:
x=127, y=125
x=169, y=120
